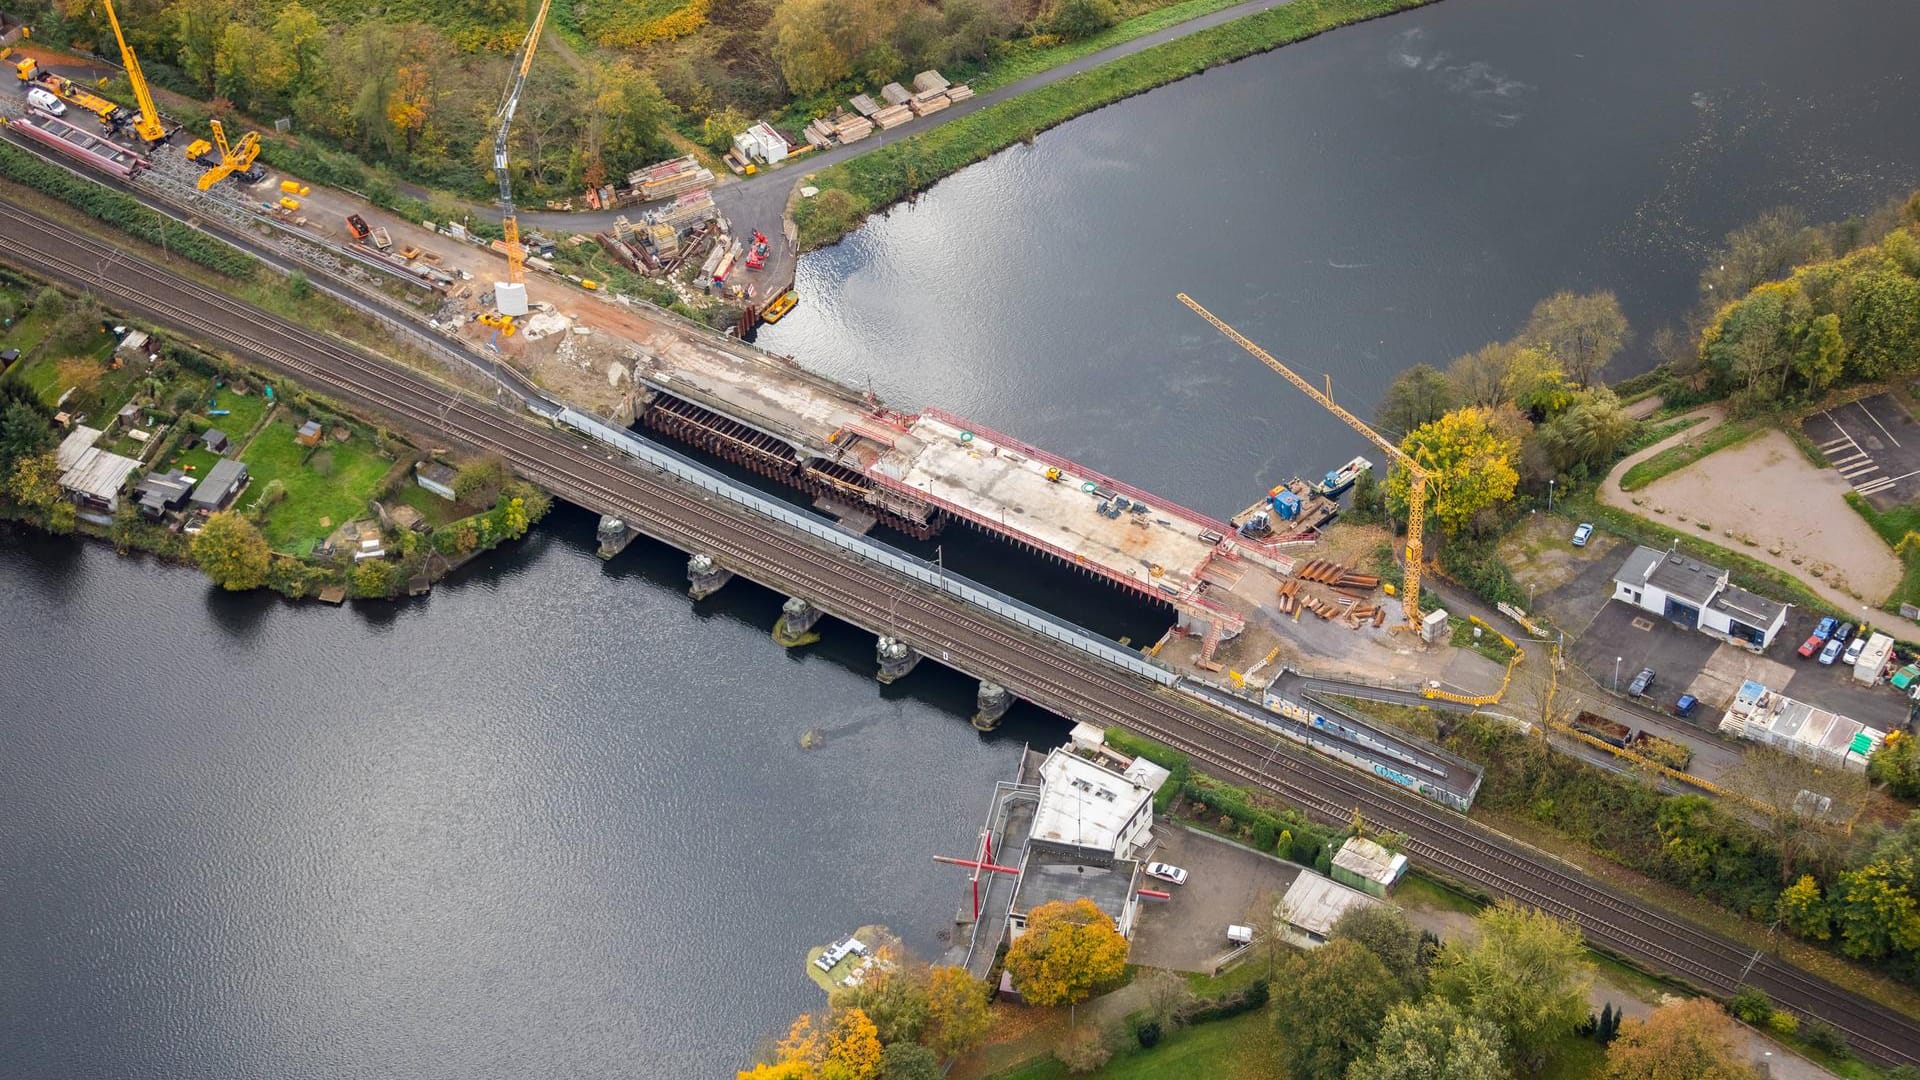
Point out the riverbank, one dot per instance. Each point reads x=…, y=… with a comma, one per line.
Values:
x=330, y=504
x=853, y=189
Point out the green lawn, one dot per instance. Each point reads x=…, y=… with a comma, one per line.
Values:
x=25, y=334
x=1893, y=525
x=1575, y=1058
x=435, y=509
x=243, y=411
x=318, y=501
x=195, y=461
x=1223, y=1050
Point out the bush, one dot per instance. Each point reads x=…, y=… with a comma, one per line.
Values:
x=1083, y=1050
x=1823, y=1037
x=1148, y=1034
x=1751, y=1004
x=1783, y=1023
x=123, y=212
x=1227, y=1006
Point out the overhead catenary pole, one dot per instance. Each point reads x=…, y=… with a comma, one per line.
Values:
x=1417, y=475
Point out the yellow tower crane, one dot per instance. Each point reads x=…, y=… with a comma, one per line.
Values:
x=147, y=123
x=1416, y=475
x=237, y=158
x=510, y=296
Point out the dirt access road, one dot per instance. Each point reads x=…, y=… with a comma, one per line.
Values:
x=1764, y=488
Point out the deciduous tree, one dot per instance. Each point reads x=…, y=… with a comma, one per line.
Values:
x=896, y=1001
x=1804, y=910
x=1881, y=321
x=1327, y=1005
x=853, y=1047
x=231, y=551
x=1766, y=249
x=1480, y=377
x=1067, y=951
x=1684, y=1040
x=1587, y=432
x=1433, y=1040
x=958, y=1014
x=1583, y=332
x=1469, y=464
x=909, y=1061
x=1527, y=974
x=1417, y=396
x=1384, y=931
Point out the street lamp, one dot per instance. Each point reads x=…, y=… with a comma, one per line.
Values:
x=1616, y=673
x=1549, y=496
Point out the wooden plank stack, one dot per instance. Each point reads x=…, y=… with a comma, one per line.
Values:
x=895, y=94
x=892, y=117
x=818, y=133
x=931, y=101
x=671, y=178
x=852, y=127
x=959, y=92
x=864, y=105
x=688, y=209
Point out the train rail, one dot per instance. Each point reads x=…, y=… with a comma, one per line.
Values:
x=941, y=627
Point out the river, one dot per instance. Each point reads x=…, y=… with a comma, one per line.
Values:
x=1387, y=194
x=555, y=820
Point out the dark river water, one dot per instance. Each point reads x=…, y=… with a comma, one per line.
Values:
x=555, y=821
x=1391, y=193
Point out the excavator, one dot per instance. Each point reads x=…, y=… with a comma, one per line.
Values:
x=234, y=160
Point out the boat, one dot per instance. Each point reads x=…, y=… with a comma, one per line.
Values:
x=1342, y=478
x=779, y=308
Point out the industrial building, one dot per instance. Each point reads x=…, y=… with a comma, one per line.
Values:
x=1696, y=595
x=1767, y=716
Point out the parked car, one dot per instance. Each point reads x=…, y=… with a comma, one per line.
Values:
x=1167, y=873
x=1582, y=534
x=1812, y=645
x=1240, y=935
x=1826, y=628
x=1685, y=706
x=1854, y=649
x=1832, y=652
x=1844, y=634
x=46, y=102
x=1641, y=683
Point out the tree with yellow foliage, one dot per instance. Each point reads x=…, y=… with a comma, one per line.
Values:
x=1067, y=951
x=1469, y=463
x=1686, y=1040
x=845, y=1046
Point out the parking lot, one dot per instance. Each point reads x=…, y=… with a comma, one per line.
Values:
x=1228, y=884
x=1874, y=444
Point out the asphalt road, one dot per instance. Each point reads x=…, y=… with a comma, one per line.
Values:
x=941, y=626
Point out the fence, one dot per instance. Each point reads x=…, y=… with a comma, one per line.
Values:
x=865, y=548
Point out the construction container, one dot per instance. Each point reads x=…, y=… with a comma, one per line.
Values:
x=1873, y=659
x=1607, y=731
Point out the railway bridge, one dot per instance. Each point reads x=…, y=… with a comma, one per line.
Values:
x=935, y=621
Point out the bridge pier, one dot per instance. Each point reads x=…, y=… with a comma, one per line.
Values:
x=614, y=536
x=896, y=658
x=706, y=576
x=794, y=628
x=991, y=703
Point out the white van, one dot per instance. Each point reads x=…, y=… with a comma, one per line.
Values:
x=46, y=102
x=1240, y=935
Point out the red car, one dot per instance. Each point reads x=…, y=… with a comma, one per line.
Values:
x=1813, y=645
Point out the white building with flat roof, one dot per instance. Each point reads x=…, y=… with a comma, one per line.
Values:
x=1771, y=717
x=1088, y=808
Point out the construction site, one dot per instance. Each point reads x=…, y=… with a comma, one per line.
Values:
x=1258, y=591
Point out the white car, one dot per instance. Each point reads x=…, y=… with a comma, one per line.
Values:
x=1854, y=648
x=46, y=102
x=1164, y=872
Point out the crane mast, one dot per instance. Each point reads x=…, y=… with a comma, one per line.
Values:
x=1416, y=475
x=510, y=296
x=148, y=122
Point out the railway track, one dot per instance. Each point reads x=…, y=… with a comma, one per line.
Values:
x=942, y=627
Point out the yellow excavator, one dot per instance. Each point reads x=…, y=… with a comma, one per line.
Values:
x=236, y=158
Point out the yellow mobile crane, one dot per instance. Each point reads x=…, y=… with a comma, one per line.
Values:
x=1416, y=475
x=147, y=123
x=510, y=296
x=237, y=158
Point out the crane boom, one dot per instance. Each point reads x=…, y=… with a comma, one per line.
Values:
x=503, y=120
x=148, y=122
x=1416, y=474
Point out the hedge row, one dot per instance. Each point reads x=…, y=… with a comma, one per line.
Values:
x=1175, y=762
x=123, y=212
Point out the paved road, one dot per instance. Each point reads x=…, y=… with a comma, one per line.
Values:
x=935, y=623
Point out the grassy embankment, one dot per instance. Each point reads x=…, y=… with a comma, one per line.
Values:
x=871, y=182
x=1894, y=526
x=1679, y=456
